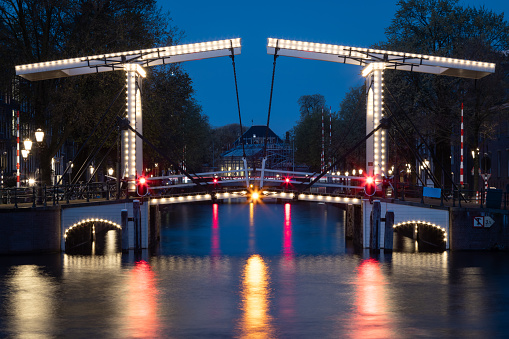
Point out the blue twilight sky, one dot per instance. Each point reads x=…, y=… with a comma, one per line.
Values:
x=350, y=23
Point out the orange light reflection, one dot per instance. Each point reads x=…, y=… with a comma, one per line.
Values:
x=251, y=241
x=256, y=321
x=142, y=302
x=371, y=318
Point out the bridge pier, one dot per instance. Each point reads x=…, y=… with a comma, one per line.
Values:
x=389, y=231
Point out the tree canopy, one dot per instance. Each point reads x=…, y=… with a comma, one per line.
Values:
x=444, y=28
x=68, y=108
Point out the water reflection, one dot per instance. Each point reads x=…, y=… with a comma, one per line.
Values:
x=256, y=321
x=371, y=317
x=287, y=300
x=142, y=317
x=31, y=303
x=287, y=233
x=251, y=240
x=215, y=245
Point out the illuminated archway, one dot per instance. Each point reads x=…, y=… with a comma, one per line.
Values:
x=430, y=235
x=84, y=232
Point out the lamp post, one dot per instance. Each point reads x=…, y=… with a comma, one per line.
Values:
x=39, y=137
x=24, y=153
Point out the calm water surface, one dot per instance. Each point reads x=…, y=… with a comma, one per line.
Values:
x=254, y=271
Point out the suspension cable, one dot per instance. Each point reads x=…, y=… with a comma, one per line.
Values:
x=91, y=133
x=270, y=100
x=238, y=102
x=444, y=172
x=96, y=149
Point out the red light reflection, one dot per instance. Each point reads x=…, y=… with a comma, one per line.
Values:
x=371, y=318
x=287, y=235
x=215, y=247
x=287, y=297
x=142, y=318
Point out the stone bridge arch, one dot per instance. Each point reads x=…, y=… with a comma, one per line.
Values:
x=76, y=215
x=428, y=234
x=405, y=213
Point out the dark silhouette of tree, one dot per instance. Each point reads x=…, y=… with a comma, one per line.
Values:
x=444, y=28
x=68, y=108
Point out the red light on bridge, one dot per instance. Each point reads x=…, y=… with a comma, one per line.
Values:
x=370, y=186
x=287, y=180
x=142, y=186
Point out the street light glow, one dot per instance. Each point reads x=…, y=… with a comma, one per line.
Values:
x=39, y=135
x=28, y=144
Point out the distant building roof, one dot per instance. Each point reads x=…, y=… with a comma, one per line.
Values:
x=259, y=131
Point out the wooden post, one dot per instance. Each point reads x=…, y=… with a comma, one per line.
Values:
x=137, y=225
x=375, y=225
x=125, y=231
x=389, y=230
x=350, y=221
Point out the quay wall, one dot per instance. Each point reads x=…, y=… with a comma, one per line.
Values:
x=30, y=230
x=464, y=236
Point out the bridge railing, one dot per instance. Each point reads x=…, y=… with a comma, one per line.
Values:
x=58, y=194
x=453, y=197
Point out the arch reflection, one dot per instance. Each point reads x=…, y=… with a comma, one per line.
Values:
x=256, y=321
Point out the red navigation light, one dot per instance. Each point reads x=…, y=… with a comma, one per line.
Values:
x=287, y=180
x=142, y=186
x=370, y=186
x=215, y=180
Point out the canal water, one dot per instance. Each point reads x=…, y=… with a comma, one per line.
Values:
x=254, y=271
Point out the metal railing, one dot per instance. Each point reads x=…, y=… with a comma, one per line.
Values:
x=83, y=192
x=54, y=195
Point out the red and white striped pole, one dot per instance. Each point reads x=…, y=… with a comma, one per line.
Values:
x=461, y=152
x=17, y=149
x=330, y=134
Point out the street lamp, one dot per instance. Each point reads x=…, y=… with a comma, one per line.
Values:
x=39, y=137
x=28, y=144
x=110, y=171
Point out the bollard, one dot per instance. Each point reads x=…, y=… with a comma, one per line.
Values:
x=389, y=230
x=137, y=225
x=125, y=231
x=375, y=225
x=33, y=197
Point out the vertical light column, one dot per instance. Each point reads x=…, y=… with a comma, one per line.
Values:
x=132, y=148
x=139, y=128
x=376, y=150
x=370, y=156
